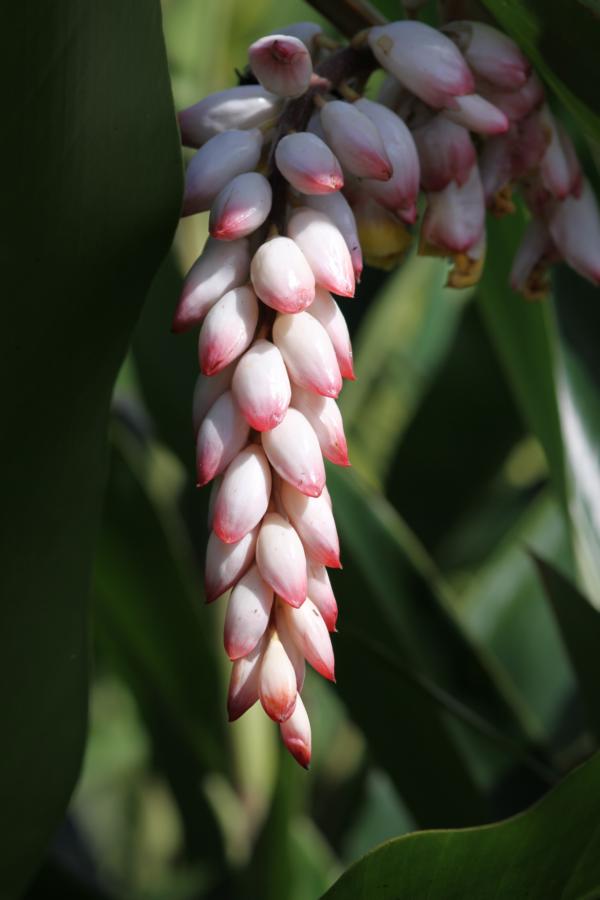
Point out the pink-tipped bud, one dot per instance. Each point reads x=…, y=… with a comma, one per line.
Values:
x=455, y=217
x=282, y=64
x=291, y=647
x=308, y=353
x=277, y=680
x=220, y=267
x=492, y=54
x=575, y=230
x=261, y=386
x=313, y=520
x=515, y=104
x=308, y=164
x=355, y=141
x=243, y=684
x=246, y=106
x=282, y=277
x=327, y=312
x=423, y=60
x=226, y=563
x=534, y=254
x=326, y=419
x=222, y=435
x=496, y=165
x=247, y=615
x=560, y=173
x=446, y=153
x=296, y=735
x=337, y=208
x=478, y=114
x=226, y=155
x=309, y=631
x=321, y=593
x=325, y=250
x=243, y=497
x=207, y=391
x=281, y=559
x=227, y=330
x=293, y=450
x=241, y=207
x=401, y=191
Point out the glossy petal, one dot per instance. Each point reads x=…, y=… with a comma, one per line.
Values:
x=207, y=390
x=326, y=420
x=313, y=520
x=478, y=114
x=321, y=594
x=281, y=559
x=244, y=495
x=327, y=312
x=223, y=433
x=243, y=684
x=226, y=563
x=355, y=140
x=336, y=207
x=248, y=612
x=227, y=330
x=241, y=207
x=277, y=680
x=293, y=450
x=296, y=734
x=308, y=353
x=309, y=631
x=446, y=153
x=492, y=54
x=221, y=267
x=261, y=386
x=282, y=277
x=454, y=217
x=308, y=164
x=282, y=64
x=246, y=106
x=325, y=249
x=226, y=155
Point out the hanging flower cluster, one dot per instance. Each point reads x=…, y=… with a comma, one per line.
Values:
x=303, y=177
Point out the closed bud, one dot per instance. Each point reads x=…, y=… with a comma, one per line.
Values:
x=327, y=312
x=206, y=391
x=559, y=169
x=277, y=680
x=454, y=218
x=261, y=386
x=320, y=592
x=515, y=104
x=293, y=450
x=490, y=53
x=313, y=520
x=247, y=615
x=355, y=140
x=241, y=207
x=243, y=107
x=446, y=153
x=383, y=237
x=281, y=559
x=325, y=250
x=336, y=207
x=226, y=155
x=478, y=114
x=424, y=60
x=281, y=276
x=529, y=273
x=243, y=684
x=227, y=330
x=282, y=64
x=221, y=267
x=326, y=420
x=296, y=735
x=308, y=164
x=226, y=563
x=309, y=631
x=308, y=353
x=244, y=494
x=575, y=229
x=291, y=647
x=222, y=435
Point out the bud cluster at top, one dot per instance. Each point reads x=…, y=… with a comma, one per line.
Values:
x=304, y=177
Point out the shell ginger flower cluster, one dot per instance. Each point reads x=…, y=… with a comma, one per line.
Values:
x=304, y=176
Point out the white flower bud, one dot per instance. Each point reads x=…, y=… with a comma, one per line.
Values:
x=293, y=450
x=326, y=420
x=243, y=496
x=226, y=563
x=243, y=684
x=355, y=140
x=325, y=250
x=281, y=559
x=221, y=436
x=261, y=386
x=515, y=104
x=492, y=54
x=282, y=64
x=478, y=114
x=246, y=106
x=227, y=330
x=277, y=680
x=211, y=169
x=313, y=520
x=206, y=391
x=308, y=353
x=308, y=164
x=309, y=631
x=281, y=276
x=575, y=230
x=241, y=207
x=320, y=592
x=455, y=217
x=247, y=615
x=327, y=312
x=221, y=267
x=296, y=734
x=304, y=31
x=336, y=207
x=446, y=153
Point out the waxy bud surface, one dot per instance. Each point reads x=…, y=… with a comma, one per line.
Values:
x=246, y=106
x=308, y=164
x=282, y=277
x=261, y=386
x=281, y=559
x=241, y=207
x=220, y=267
x=293, y=450
x=226, y=155
x=227, y=330
x=325, y=250
x=308, y=353
x=355, y=140
x=282, y=64
x=244, y=495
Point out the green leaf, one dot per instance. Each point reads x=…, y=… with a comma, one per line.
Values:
x=90, y=203
x=579, y=625
x=552, y=850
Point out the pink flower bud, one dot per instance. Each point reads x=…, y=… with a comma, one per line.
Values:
x=515, y=104
x=401, y=191
x=241, y=207
x=243, y=684
x=559, y=169
x=222, y=435
x=308, y=353
x=261, y=386
x=243, y=497
x=277, y=680
x=325, y=250
x=291, y=647
x=227, y=330
x=226, y=155
x=281, y=559
x=336, y=207
x=575, y=229
x=496, y=165
x=293, y=450
x=309, y=631
x=226, y=563
x=247, y=615
x=478, y=114
x=282, y=277
x=446, y=153
x=221, y=267
x=327, y=312
x=320, y=592
x=296, y=735
x=313, y=520
x=326, y=420
x=282, y=64
x=206, y=391
x=454, y=218
x=308, y=164
x=423, y=60
x=355, y=140
x=492, y=54
x=246, y=106
x=535, y=252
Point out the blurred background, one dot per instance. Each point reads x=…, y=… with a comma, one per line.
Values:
x=456, y=700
